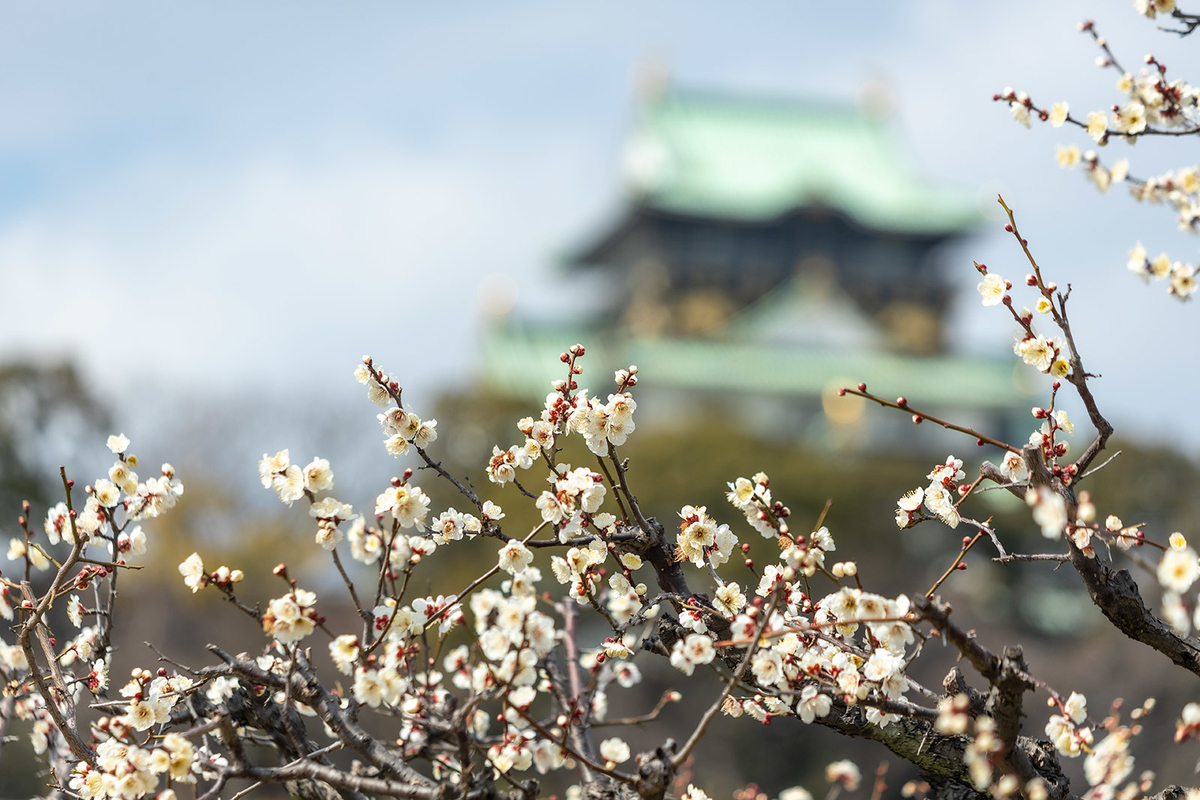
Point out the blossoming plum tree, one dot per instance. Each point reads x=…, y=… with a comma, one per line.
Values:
x=473, y=691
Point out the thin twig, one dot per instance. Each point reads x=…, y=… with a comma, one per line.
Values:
x=715, y=708
x=921, y=416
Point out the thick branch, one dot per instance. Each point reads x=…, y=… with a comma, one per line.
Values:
x=1116, y=594
x=1006, y=675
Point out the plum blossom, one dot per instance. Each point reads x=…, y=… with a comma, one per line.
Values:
x=813, y=703
x=992, y=288
x=1178, y=569
x=290, y=618
x=695, y=649
x=515, y=557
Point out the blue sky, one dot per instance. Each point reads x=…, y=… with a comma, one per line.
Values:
x=208, y=198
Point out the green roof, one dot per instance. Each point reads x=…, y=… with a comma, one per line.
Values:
x=753, y=160
x=524, y=362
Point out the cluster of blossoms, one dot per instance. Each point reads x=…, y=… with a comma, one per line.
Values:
x=938, y=499
x=1041, y=352
x=125, y=771
x=405, y=429
x=291, y=481
x=1067, y=731
x=195, y=577
x=108, y=523
x=113, y=503
x=581, y=569
x=407, y=504
x=800, y=674
x=806, y=554
x=382, y=390
x=504, y=464
x=604, y=424
x=1150, y=105
x=292, y=617
x=1046, y=354
x=701, y=540
x=752, y=496
x=574, y=502
x=1182, y=276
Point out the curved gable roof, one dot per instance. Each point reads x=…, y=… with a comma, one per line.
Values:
x=754, y=160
